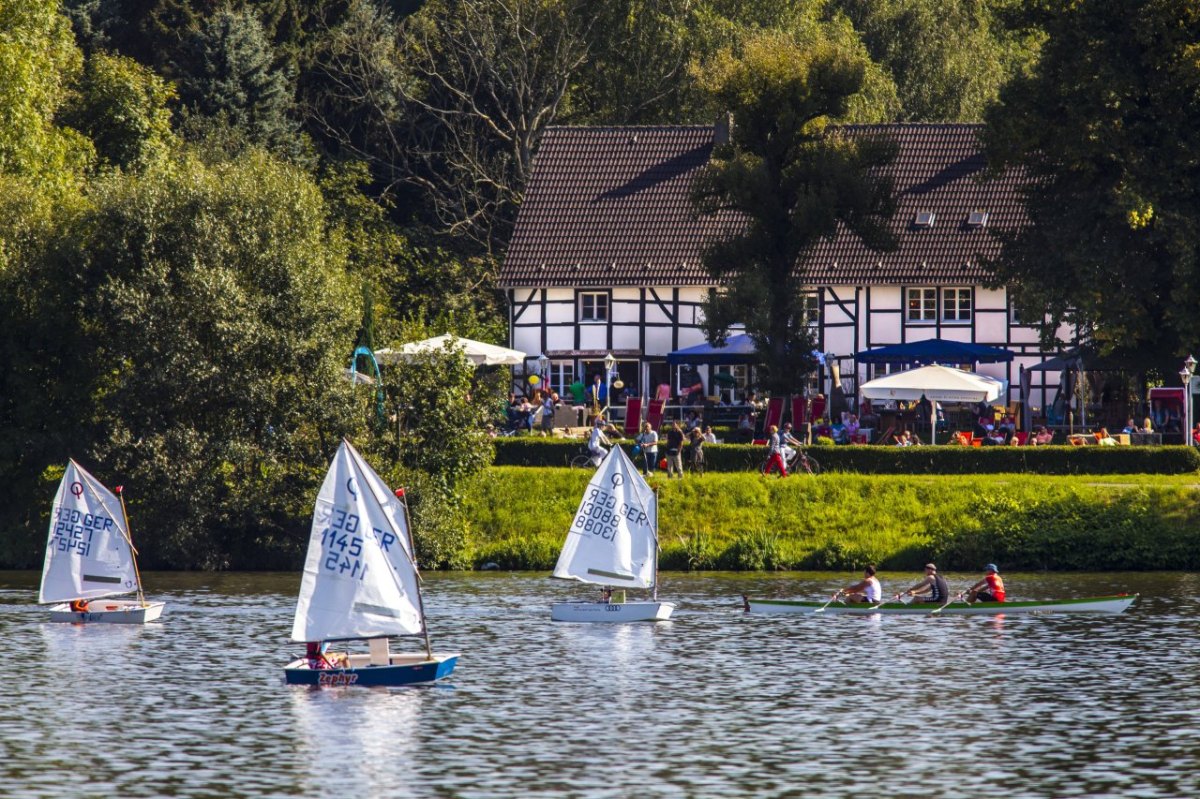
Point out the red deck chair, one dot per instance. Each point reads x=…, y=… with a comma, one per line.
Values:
x=799, y=411
x=1021, y=438
x=654, y=414
x=818, y=409
x=774, y=413
x=633, y=416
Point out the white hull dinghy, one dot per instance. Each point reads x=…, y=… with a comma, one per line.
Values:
x=361, y=583
x=90, y=556
x=613, y=542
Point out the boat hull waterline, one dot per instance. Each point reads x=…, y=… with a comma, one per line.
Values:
x=1101, y=604
x=405, y=669
x=616, y=612
x=108, y=611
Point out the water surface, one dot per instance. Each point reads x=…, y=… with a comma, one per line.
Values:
x=714, y=703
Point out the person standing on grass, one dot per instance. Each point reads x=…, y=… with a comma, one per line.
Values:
x=648, y=441
x=675, y=450
x=775, y=452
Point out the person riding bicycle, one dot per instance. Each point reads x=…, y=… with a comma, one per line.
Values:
x=791, y=445
x=598, y=442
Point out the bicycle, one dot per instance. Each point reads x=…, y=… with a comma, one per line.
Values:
x=585, y=460
x=799, y=462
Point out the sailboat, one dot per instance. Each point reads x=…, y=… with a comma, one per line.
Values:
x=90, y=556
x=361, y=583
x=613, y=542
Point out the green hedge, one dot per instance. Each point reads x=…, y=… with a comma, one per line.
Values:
x=948, y=459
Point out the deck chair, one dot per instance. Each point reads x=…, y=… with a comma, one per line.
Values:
x=799, y=411
x=654, y=414
x=774, y=413
x=633, y=416
x=1021, y=438
x=817, y=409
x=963, y=437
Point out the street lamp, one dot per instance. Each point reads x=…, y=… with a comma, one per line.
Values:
x=609, y=363
x=543, y=362
x=1185, y=374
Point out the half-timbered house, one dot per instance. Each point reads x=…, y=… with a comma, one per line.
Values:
x=606, y=258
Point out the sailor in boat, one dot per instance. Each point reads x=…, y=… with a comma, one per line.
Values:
x=867, y=589
x=990, y=588
x=933, y=588
x=79, y=606
x=605, y=595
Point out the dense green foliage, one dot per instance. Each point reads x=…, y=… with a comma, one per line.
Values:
x=792, y=183
x=845, y=521
x=1106, y=125
x=536, y=451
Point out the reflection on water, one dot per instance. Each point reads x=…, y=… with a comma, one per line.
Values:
x=712, y=703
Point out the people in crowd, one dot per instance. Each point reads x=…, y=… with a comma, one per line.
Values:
x=675, y=450
x=989, y=589
x=1042, y=437
x=745, y=427
x=1130, y=427
x=852, y=427
x=775, y=452
x=1196, y=433
x=1104, y=439
x=709, y=436
x=598, y=443
x=696, y=450
x=647, y=440
x=867, y=589
x=597, y=393
x=525, y=414
x=1173, y=423
x=933, y=588
x=693, y=421
x=1147, y=426
x=549, y=403
x=906, y=439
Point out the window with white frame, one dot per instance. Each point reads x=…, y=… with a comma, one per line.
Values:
x=593, y=306
x=812, y=311
x=730, y=382
x=921, y=305
x=956, y=305
x=562, y=375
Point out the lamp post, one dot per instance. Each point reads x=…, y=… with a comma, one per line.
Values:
x=543, y=362
x=609, y=363
x=1185, y=374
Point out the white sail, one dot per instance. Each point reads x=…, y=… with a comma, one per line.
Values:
x=613, y=540
x=360, y=580
x=88, y=554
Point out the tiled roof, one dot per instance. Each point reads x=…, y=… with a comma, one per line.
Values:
x=610, y=206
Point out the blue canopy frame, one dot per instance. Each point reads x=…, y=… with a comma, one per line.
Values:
x=738, y=349
x=934, y=350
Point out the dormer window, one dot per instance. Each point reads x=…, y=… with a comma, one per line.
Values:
x=977, y=219
x=924, y=219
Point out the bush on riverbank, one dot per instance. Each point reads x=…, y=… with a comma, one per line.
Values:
x=519, y=517
x=538, y=451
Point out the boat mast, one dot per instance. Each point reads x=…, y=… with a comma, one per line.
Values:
x=654, y=588
x=137, y=575
x=400, y=495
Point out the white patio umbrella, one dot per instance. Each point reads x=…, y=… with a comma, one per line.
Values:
x=477, y=352
x=937, y=384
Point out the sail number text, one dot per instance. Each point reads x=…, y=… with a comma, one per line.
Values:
x=343, y=543
x=73, y=530
x=601, y=514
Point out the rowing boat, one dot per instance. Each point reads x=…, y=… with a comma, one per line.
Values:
x=1097, y=604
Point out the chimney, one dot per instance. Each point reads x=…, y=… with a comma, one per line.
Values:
x=723, y=128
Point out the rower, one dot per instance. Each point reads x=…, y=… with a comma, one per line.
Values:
x=994, y=592
x=933, y=588
x=865, y=590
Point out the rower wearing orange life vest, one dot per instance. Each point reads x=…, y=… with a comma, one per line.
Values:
x=994, y=592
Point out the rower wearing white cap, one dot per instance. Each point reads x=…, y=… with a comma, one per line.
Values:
x=933, y=588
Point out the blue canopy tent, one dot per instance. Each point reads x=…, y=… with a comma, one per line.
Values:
x=738, y=349
x=934, y=350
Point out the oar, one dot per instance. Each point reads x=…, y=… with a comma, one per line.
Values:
x=949, y=602
x=883, y=602
x=830, y=602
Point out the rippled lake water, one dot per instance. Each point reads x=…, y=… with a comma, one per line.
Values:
x=712, y=704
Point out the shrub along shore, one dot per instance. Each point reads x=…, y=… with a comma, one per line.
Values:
x=518, y=518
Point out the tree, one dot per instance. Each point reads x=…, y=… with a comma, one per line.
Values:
x=1105, y=128
x=122, y=107
x=193, y=322
x=442, y=407
x=230, y=70
x=791, y=182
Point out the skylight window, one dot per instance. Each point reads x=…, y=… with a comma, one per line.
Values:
x=924, y=219
x=977, y=219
